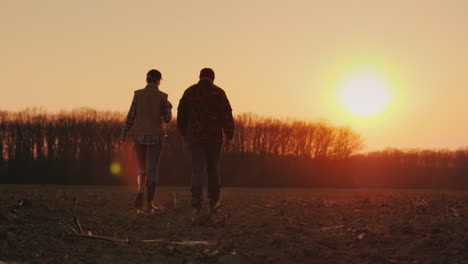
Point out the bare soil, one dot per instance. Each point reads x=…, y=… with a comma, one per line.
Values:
x=253, y=226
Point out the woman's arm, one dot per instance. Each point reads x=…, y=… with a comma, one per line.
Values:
x=166, y=111
x=130, y=119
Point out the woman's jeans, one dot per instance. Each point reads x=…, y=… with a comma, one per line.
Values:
x=147, y=167
x=205, y=156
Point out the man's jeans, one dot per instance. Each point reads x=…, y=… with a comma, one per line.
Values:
x=205, y=156
x=147, y=166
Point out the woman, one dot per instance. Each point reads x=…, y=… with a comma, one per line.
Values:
x=148, y=112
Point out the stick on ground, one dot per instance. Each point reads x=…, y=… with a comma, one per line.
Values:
x=183, y=243
x=331, y=228
x=75, y=218
x=101, y=238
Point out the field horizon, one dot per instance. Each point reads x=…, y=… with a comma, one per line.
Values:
x=84, y=147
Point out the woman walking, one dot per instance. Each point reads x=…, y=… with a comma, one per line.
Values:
x=145, y=124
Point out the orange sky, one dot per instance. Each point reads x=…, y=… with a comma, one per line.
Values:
x=274, y=58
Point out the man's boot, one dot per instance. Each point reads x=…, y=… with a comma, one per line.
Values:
x=215, y=204
x=196, y=203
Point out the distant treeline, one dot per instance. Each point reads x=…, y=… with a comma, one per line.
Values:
x=83, y=147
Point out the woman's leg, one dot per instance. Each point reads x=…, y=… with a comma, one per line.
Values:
x=140, y=152
x=154, y=153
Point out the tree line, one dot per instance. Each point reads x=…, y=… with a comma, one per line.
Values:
x=83, y=147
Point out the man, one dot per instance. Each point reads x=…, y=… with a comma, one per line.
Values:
x=204, y=113
x=145, y=122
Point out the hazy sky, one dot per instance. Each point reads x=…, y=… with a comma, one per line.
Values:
x=275, y=58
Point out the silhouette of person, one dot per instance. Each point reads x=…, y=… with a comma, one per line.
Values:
x=204, y=113
x=148, y=112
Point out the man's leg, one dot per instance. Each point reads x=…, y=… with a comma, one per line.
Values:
x=198, y=168
x=140, y=151
x=213, y=158
x=154, y=152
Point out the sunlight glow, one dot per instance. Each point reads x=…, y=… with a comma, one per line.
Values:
x=364, y=93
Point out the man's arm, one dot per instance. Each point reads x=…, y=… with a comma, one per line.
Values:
x=228, y=125
x=182, y=115
x=130, y=119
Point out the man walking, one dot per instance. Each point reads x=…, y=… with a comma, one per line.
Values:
x=145, y=122
x=204, y=113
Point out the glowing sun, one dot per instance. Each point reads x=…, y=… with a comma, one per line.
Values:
x=364, y=94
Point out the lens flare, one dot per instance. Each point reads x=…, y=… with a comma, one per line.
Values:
x=115, y=168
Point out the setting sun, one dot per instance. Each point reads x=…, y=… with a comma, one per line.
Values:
x=363, y=93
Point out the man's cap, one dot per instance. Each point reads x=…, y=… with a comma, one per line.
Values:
x=153, y=76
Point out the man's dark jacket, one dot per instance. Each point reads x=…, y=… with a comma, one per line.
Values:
x=204, y=113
